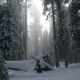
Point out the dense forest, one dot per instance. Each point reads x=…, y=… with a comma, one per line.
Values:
x=26, y=30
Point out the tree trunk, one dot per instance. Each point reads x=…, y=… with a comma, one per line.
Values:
x=54, y=34
x=25, y=29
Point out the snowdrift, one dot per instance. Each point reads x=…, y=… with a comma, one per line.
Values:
x=24, y=65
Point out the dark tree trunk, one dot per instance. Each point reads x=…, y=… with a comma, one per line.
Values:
x=54, y=34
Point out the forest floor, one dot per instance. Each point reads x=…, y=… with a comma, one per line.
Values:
x=70, y=73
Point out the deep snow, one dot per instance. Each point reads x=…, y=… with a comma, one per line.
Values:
x=70, y=73
x=25, y=65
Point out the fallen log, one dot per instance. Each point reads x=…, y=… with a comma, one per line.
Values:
x=43, y=63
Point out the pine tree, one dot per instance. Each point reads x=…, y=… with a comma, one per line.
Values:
x=10, y=31
x=4, y=41
x=3, y=69
x=5, y=37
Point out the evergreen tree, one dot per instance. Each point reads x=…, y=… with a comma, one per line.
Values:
x=13, y=46
x=4, y=41
x=55, y=12
x=75, y=30
x=5, y=37
x=3, y=69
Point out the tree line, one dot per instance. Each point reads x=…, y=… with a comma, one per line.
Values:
x=65, y=30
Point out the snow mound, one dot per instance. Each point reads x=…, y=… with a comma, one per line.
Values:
x=25, y=65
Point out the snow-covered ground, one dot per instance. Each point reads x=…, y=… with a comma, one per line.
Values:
x=24, y=65
x=70, y=73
